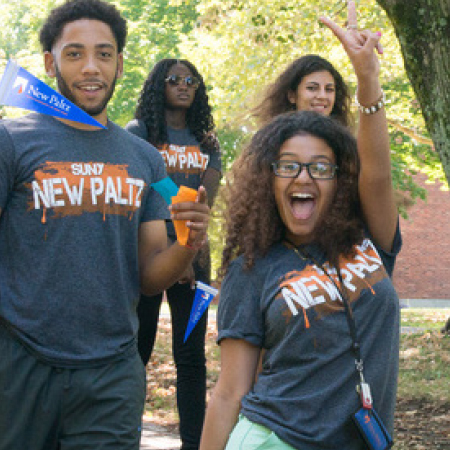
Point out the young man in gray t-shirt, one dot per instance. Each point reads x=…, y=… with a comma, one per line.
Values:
x=81, y=234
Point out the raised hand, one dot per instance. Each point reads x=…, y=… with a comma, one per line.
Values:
x=358, y=44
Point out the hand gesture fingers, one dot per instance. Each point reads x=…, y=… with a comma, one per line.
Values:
x=348, y=36
x=359, y=45
x=374, y=39
x=352, y=18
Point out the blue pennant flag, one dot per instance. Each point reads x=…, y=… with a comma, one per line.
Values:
x=21, y=89
x=203, y=296
x=167, y=188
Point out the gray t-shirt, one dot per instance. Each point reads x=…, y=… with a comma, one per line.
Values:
x=185, y=159
x=72, y=202
x=289, y=306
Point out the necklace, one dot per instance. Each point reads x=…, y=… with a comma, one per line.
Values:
x=300, y=255
x=304, y=256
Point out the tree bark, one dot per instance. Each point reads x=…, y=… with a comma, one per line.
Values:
x=423, y=30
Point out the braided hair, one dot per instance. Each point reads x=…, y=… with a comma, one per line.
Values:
x=152, y=103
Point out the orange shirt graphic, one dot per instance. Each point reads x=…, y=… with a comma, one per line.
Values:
x=72, y=188
x=186, y=159
x=313, y=288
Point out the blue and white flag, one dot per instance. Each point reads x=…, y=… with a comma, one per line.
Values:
x=203, y=296
x=22, y=89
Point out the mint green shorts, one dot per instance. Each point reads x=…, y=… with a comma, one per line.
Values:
x=247, y=435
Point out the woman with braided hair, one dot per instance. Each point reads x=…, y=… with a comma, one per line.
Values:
x=173, y=114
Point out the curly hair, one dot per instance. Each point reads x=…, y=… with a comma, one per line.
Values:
x=276, y=99
x=82, y=9
x=252, y=223
x=152, y=102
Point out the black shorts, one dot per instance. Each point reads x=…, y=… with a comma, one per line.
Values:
x=48, y=408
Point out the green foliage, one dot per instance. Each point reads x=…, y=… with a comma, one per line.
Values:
x=423, y=28
x=154, y=30
x=239, y=47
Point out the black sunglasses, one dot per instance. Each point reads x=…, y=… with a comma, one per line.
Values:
x=176, y=80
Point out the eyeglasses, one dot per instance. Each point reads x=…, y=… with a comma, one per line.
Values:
x=316, y=170
x=176, y=80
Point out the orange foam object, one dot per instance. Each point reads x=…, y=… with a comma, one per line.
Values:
x=185, y=194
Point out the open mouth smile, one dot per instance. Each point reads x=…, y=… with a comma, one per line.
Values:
x=302, y=205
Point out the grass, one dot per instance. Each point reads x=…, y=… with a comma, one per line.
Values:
x=423, y=407
x=429, y=318
x=424, y=381
x=425, y=354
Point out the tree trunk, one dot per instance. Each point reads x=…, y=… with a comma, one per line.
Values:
x=423, y=30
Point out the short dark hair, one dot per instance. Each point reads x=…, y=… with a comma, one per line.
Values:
x=74, y=10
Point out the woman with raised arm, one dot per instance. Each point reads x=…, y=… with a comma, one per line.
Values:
x=307, y=263
x=311, y=83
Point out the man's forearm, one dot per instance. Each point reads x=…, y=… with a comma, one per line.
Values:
x=163, y=269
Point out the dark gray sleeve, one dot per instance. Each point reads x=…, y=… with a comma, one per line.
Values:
x=138, y=128
x=389, y=258
x=215, y=161
x=239, y=312
x=6, y=166
x=155, y=207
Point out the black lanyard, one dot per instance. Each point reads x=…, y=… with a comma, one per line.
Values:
x=364, y=388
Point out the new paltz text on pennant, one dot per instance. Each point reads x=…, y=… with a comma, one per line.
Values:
x=21, y=89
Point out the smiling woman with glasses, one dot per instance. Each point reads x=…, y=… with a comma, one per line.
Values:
x=316, y=170
x=311, y=235
x=173, y=114
x=294, y=228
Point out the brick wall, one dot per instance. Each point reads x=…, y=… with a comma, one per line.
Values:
x=423, y=266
